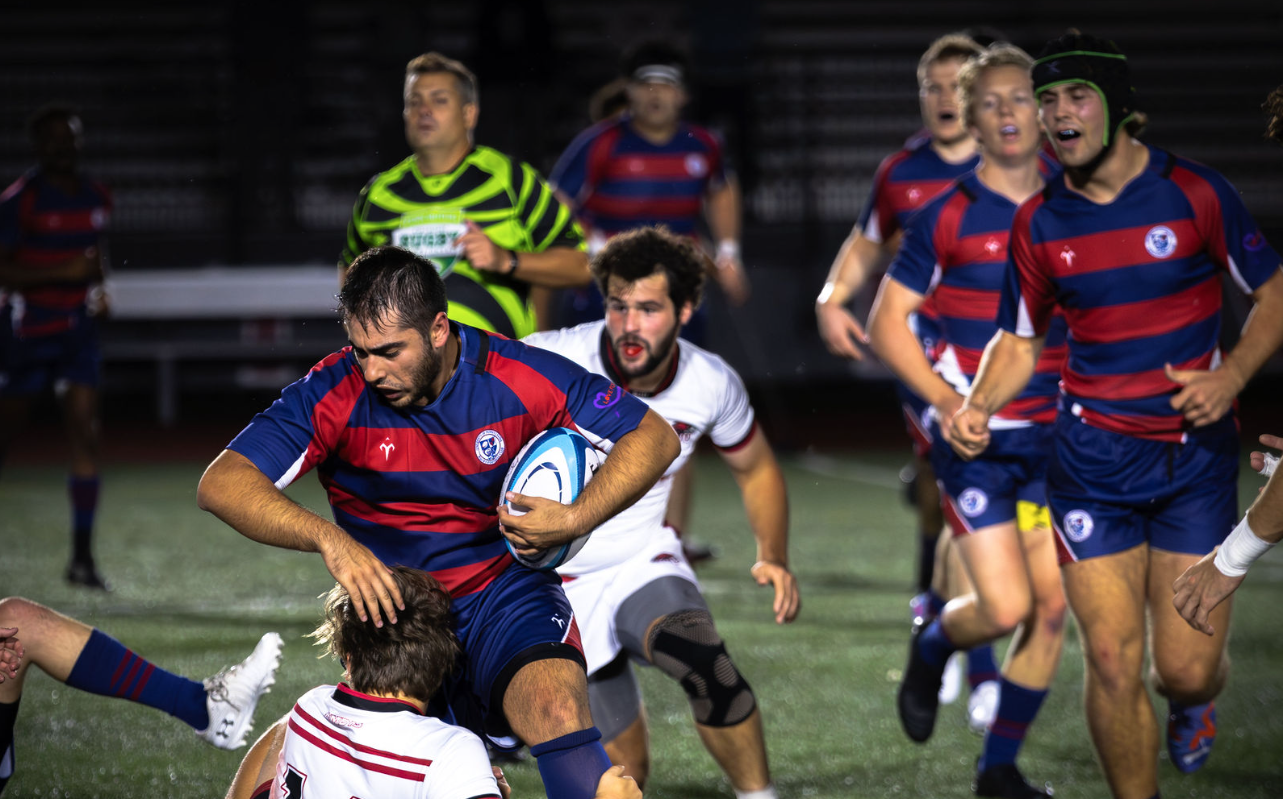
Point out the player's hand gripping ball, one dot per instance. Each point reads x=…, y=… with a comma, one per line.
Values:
x=555, y=464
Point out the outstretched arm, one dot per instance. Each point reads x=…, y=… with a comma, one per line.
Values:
x=237, y=492
x=764, y=495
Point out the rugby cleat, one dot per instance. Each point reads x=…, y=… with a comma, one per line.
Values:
x=918, y=700
x=1190, y=733
x=231, y=695
x=1005, y=781
x=981, y=707
x=951, y=686
x=84, y=574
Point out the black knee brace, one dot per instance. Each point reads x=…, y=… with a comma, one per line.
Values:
x=687, y=647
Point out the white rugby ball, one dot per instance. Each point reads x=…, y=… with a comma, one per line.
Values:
x=555, y=464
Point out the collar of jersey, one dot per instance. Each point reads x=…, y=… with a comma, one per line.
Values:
x=610, y=366
x=348, y=697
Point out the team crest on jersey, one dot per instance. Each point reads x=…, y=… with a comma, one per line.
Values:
x=914, y=194
x=973, y=502
x=1254, y=242
x=684, y=430
x=489, y=446
x=1160, y=241
x=1078, y=525
x=695, y=165
x=993, y=246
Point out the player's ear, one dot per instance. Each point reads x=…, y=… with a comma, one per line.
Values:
x=686, y=313
x=471, y=111
x=440, y=330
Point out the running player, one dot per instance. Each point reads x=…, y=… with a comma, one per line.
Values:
x=490, y=224
x=220, y=708
x=52, y=258
x=632, y=590
x=904, y=182
x=955, y=250
x=1131, y=244
x=412, y=429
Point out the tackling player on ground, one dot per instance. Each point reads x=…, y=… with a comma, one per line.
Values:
x=412, y=429
x=635, y=596
x=954, y=249
x=1131, y=244
x=490, y=224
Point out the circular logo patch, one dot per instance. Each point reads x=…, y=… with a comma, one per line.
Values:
x=973, y=502
x=1078, y=525
x=1160, y=241
x=695, y=165
x=489, y=446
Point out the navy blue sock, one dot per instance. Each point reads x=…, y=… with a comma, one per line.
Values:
x=935, y=601
x=926, y=565
x=107, y=668
x=83, y=492
x=8, y=716
x=934, y=646
x=1016, y=709
x=572, y=764
x=980, y=665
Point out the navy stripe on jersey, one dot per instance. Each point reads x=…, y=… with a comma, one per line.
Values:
x=1139, y=282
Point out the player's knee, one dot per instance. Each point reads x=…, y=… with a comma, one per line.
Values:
x=24, y=614
x=1114, y=665
x=1004, y=613
x=687, y=647
x=1189, y=682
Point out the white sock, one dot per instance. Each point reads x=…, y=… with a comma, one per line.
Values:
x=764, y=793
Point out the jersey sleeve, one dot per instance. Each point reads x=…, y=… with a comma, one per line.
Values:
x=735, y=420
x=600, y=409
x=300, y=429
x=877, y=222
x=571, y=170
x=461, y=770
x=545, y=221
x=1233, y=239
x=916, y=266
x=1028, y=296
x=717, y=174
x=355, y=243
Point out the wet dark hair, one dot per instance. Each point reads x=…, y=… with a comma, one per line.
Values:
x=646, y=251
x=46, y=114
x=654, y=51
x=393, y=281
x=411, y=657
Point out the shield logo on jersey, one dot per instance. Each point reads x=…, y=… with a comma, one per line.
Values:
x=695, y=165
x=1160, y=241
x=973, y=502
x=489, y=446
x=1078, y=525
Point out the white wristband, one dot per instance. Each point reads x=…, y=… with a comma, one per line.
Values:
x=1268, y=468
x=1239, y=550
x=727, y=248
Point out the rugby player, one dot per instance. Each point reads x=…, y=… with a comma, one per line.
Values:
x=1131, y=244
x=904, y=182
x=954, y=249
x=635, y=595
x=52, y=261
x=490, y=224
x=219, y=709
x=412, y=429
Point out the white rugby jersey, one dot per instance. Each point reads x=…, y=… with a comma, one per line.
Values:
x=702, y=395
x=341, y=743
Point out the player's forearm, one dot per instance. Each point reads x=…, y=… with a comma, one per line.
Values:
x=1262, y=334
x=898, y=348
x=242, y=497
x=1266, y=516
x=555, y=268
x=724, y=213
x=1005, y=369
x=858, y=259
x=764, y=495
x=637, y=461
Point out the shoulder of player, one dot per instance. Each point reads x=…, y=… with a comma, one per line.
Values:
x=571, y=342
x=704, y=366
x=24, y=183
x=890, y=163
x=702, y=135
x=605, y=127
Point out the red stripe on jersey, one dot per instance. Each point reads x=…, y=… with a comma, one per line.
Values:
x=1133, y=385
x=741, y=443
x=343, y=755
x=371, y=750
x=330, y=414
x=1137, y=426
x=1152, y=317
x=45, y=328
x=1036, y=290
x=70, y=220
x=964, y=303
x=1030, y=409
x=634, y=206
x=947, y=226
x=1115, y=249
x=1052, y=359
x=654, y=166
x=462, y=581
x=410, y=449
x=423, y=516
x=32, y=256
x=1207, y=212
x=601, y=151
x=981, y=248
x=544, y=401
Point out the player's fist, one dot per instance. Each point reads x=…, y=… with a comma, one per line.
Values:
x=1265, y=462
x=480, y=251
x=968, y=432
x=544, y=523
x=1205, y=395
x=616, y=785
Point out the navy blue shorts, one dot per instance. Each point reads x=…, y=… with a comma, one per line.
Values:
x=986, y=491
x=520, y=617
x=29, y=365
x=916, y=419
x=1110, y=492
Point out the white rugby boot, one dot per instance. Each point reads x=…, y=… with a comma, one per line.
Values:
x=950, y=689
x=232, y=694
x=981, y=707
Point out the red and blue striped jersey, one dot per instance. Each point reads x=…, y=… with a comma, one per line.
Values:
x=419, y=486
x=618, y=180
x=41, y=225
x=954, y=249
x=1139, y=281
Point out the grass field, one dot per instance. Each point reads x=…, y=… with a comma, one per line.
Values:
x=192, y=596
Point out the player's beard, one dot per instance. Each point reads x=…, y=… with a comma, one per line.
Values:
x=654, y=359
x=420, y=381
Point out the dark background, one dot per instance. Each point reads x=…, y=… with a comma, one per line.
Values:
x=239, y=133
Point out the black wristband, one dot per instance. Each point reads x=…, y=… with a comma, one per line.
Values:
x=514, y=263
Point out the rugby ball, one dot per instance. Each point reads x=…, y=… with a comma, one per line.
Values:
x=555, y=464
